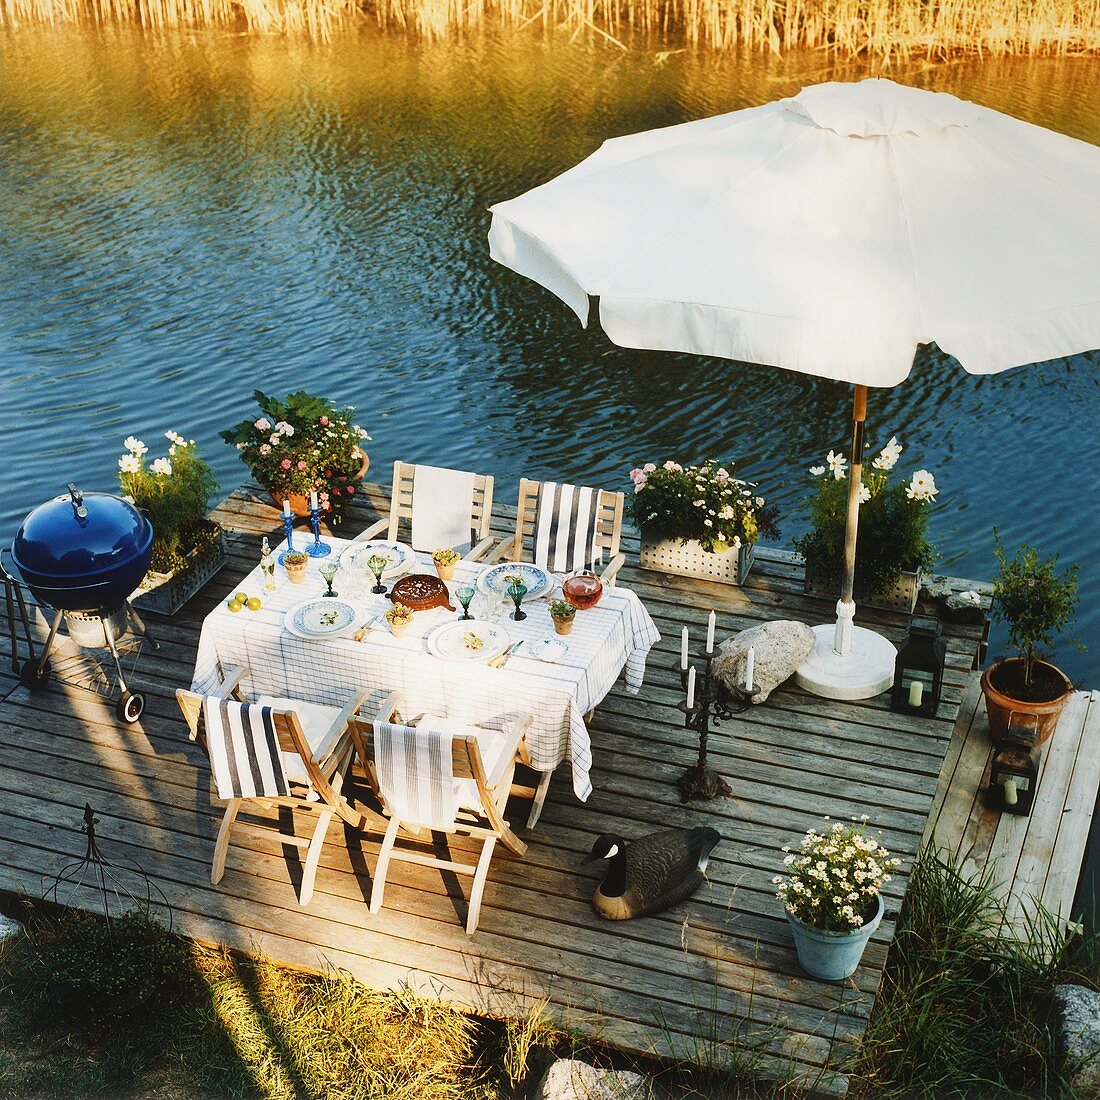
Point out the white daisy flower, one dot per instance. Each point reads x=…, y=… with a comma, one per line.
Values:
x=134, y=445
x=129, y=464
x=889, y=455
x=162, y=466
x=838, y=465
x=922, y=487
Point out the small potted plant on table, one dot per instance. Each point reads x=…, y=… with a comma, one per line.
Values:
x=892, y=547
x=699, y=521
x=1037, y=602
x=832, y=895
x=301, y=444
x=295, y=563
x=445, y=560
x=400, y=619
x=174, y=492
x=563, y=614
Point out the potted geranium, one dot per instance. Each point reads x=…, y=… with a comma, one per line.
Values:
x=302, y=444
x=174, y=492
x=699, y=521
x=832, y=895
x=892, y=547
x=1037, y=602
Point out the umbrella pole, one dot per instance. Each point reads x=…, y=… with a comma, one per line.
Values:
x=846, y=609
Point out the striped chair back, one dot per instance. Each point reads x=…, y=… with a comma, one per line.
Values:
x=243, y=746
x=567, y=527
x=415, y=773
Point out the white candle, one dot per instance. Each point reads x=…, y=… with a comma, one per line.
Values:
x=1010, y=792
x=684, y=649
x=313, y=499
x=691, y=687
x=286, y=507
x=710, y=632
x=916, y=693
x=749, y=662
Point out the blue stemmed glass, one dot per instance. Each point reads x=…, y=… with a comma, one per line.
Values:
x=516, y=591
x=317, y=549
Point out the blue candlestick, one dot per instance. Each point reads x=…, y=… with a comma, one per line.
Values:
x=318, y=549
x=288, y=523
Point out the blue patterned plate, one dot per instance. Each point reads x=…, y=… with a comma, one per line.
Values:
x=493, y=581
x=401, y=557
x=324, y=617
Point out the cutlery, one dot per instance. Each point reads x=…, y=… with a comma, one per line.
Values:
x=506, y=656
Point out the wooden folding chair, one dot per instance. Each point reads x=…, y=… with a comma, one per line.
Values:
x=461, y=793
x=399, y=522
x=316, y=749
x=522, y=546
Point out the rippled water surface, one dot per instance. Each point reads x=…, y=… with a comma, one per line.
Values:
x=187, y=218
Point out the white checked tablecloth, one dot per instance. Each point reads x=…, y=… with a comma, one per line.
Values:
x=616, y=634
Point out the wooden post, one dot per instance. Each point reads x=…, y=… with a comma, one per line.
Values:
x=842, y=641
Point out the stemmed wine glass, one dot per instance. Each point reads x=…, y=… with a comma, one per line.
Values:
x=516, y=591
x=378, y=564
x=465, y=595
x=328, y=571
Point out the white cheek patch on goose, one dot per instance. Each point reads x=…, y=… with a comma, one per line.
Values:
x=612, y=851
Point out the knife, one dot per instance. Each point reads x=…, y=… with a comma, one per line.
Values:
x=506, y=656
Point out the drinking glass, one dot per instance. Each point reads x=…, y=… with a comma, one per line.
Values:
x=465, y=594
x=267, y=567
x=516, y=591
x=378, y=565
x=328, y=571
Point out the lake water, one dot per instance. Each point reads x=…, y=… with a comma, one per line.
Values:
x=185, y=218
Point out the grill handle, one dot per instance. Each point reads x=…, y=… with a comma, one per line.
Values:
x=78, y=501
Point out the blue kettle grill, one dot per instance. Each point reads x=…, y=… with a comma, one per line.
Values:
x=80, y=556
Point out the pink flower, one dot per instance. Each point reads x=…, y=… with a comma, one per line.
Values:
x=275, y=437
x=265, y=448
x=675, y=467
x=648, y=468
x=323, y=421
x=351, y=489
x=285, y=464
x=263, y=424
x=302, y=464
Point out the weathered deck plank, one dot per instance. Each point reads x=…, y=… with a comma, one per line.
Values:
x=718, y=968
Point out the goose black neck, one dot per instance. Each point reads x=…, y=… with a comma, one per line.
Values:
x=614, y=883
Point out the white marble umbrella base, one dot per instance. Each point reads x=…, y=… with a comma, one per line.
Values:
x=866, y=670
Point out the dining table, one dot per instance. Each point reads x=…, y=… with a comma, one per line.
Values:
x=608, y=640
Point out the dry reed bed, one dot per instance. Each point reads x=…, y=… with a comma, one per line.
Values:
x=878, y=28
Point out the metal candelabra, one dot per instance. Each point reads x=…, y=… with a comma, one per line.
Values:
x=712, y=698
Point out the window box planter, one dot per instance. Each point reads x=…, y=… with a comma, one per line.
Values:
x=166, y=593
x=902, y=597
x=689, y=559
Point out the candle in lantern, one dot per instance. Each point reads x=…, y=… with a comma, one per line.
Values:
x=710, y=632
x=691, y=688
x=1011, y=798
x=313, y=499
x=684, y=649
x=749, y=663
x=916, y=693
x=286, y=507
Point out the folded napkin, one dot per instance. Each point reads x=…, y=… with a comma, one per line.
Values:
x=243, y=749
x=415, y=773
x=442, y=509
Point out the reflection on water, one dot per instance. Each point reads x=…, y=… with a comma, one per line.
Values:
x=186, y=218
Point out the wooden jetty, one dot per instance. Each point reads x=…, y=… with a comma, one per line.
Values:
x=713, y=981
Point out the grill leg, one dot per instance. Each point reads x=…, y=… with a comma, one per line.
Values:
x=49, y=642
x=109, y=635
x=145, y=632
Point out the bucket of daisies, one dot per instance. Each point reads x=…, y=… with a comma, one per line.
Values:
x=832, y=895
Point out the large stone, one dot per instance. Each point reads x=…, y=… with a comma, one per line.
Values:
x=572, y=1079
x=779, y=647
x=1075, y=1015
x=9, y=927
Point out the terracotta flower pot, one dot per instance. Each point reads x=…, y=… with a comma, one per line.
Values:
x=446, y=572
x=563, y=626
x=1001, y=707
x=400, y=629
x=299, y=502
x=296, y=570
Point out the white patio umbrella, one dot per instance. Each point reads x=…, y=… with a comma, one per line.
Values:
x=830, y=234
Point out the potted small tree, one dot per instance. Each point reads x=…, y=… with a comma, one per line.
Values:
x=300, y=444
x=892, y=547
x=699, y=521
x=1037, y=602
x=174, y=492
x=832, y=895
x=562, y=614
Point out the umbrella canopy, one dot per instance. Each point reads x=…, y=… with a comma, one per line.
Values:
x=830, y=233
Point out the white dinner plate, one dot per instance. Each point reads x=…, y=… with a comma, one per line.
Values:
x=323, y=617
x=538, y=581
x=402, y=557
x=453, y=641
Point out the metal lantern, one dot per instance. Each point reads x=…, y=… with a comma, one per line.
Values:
x=918, y=671
x=1014, y=772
